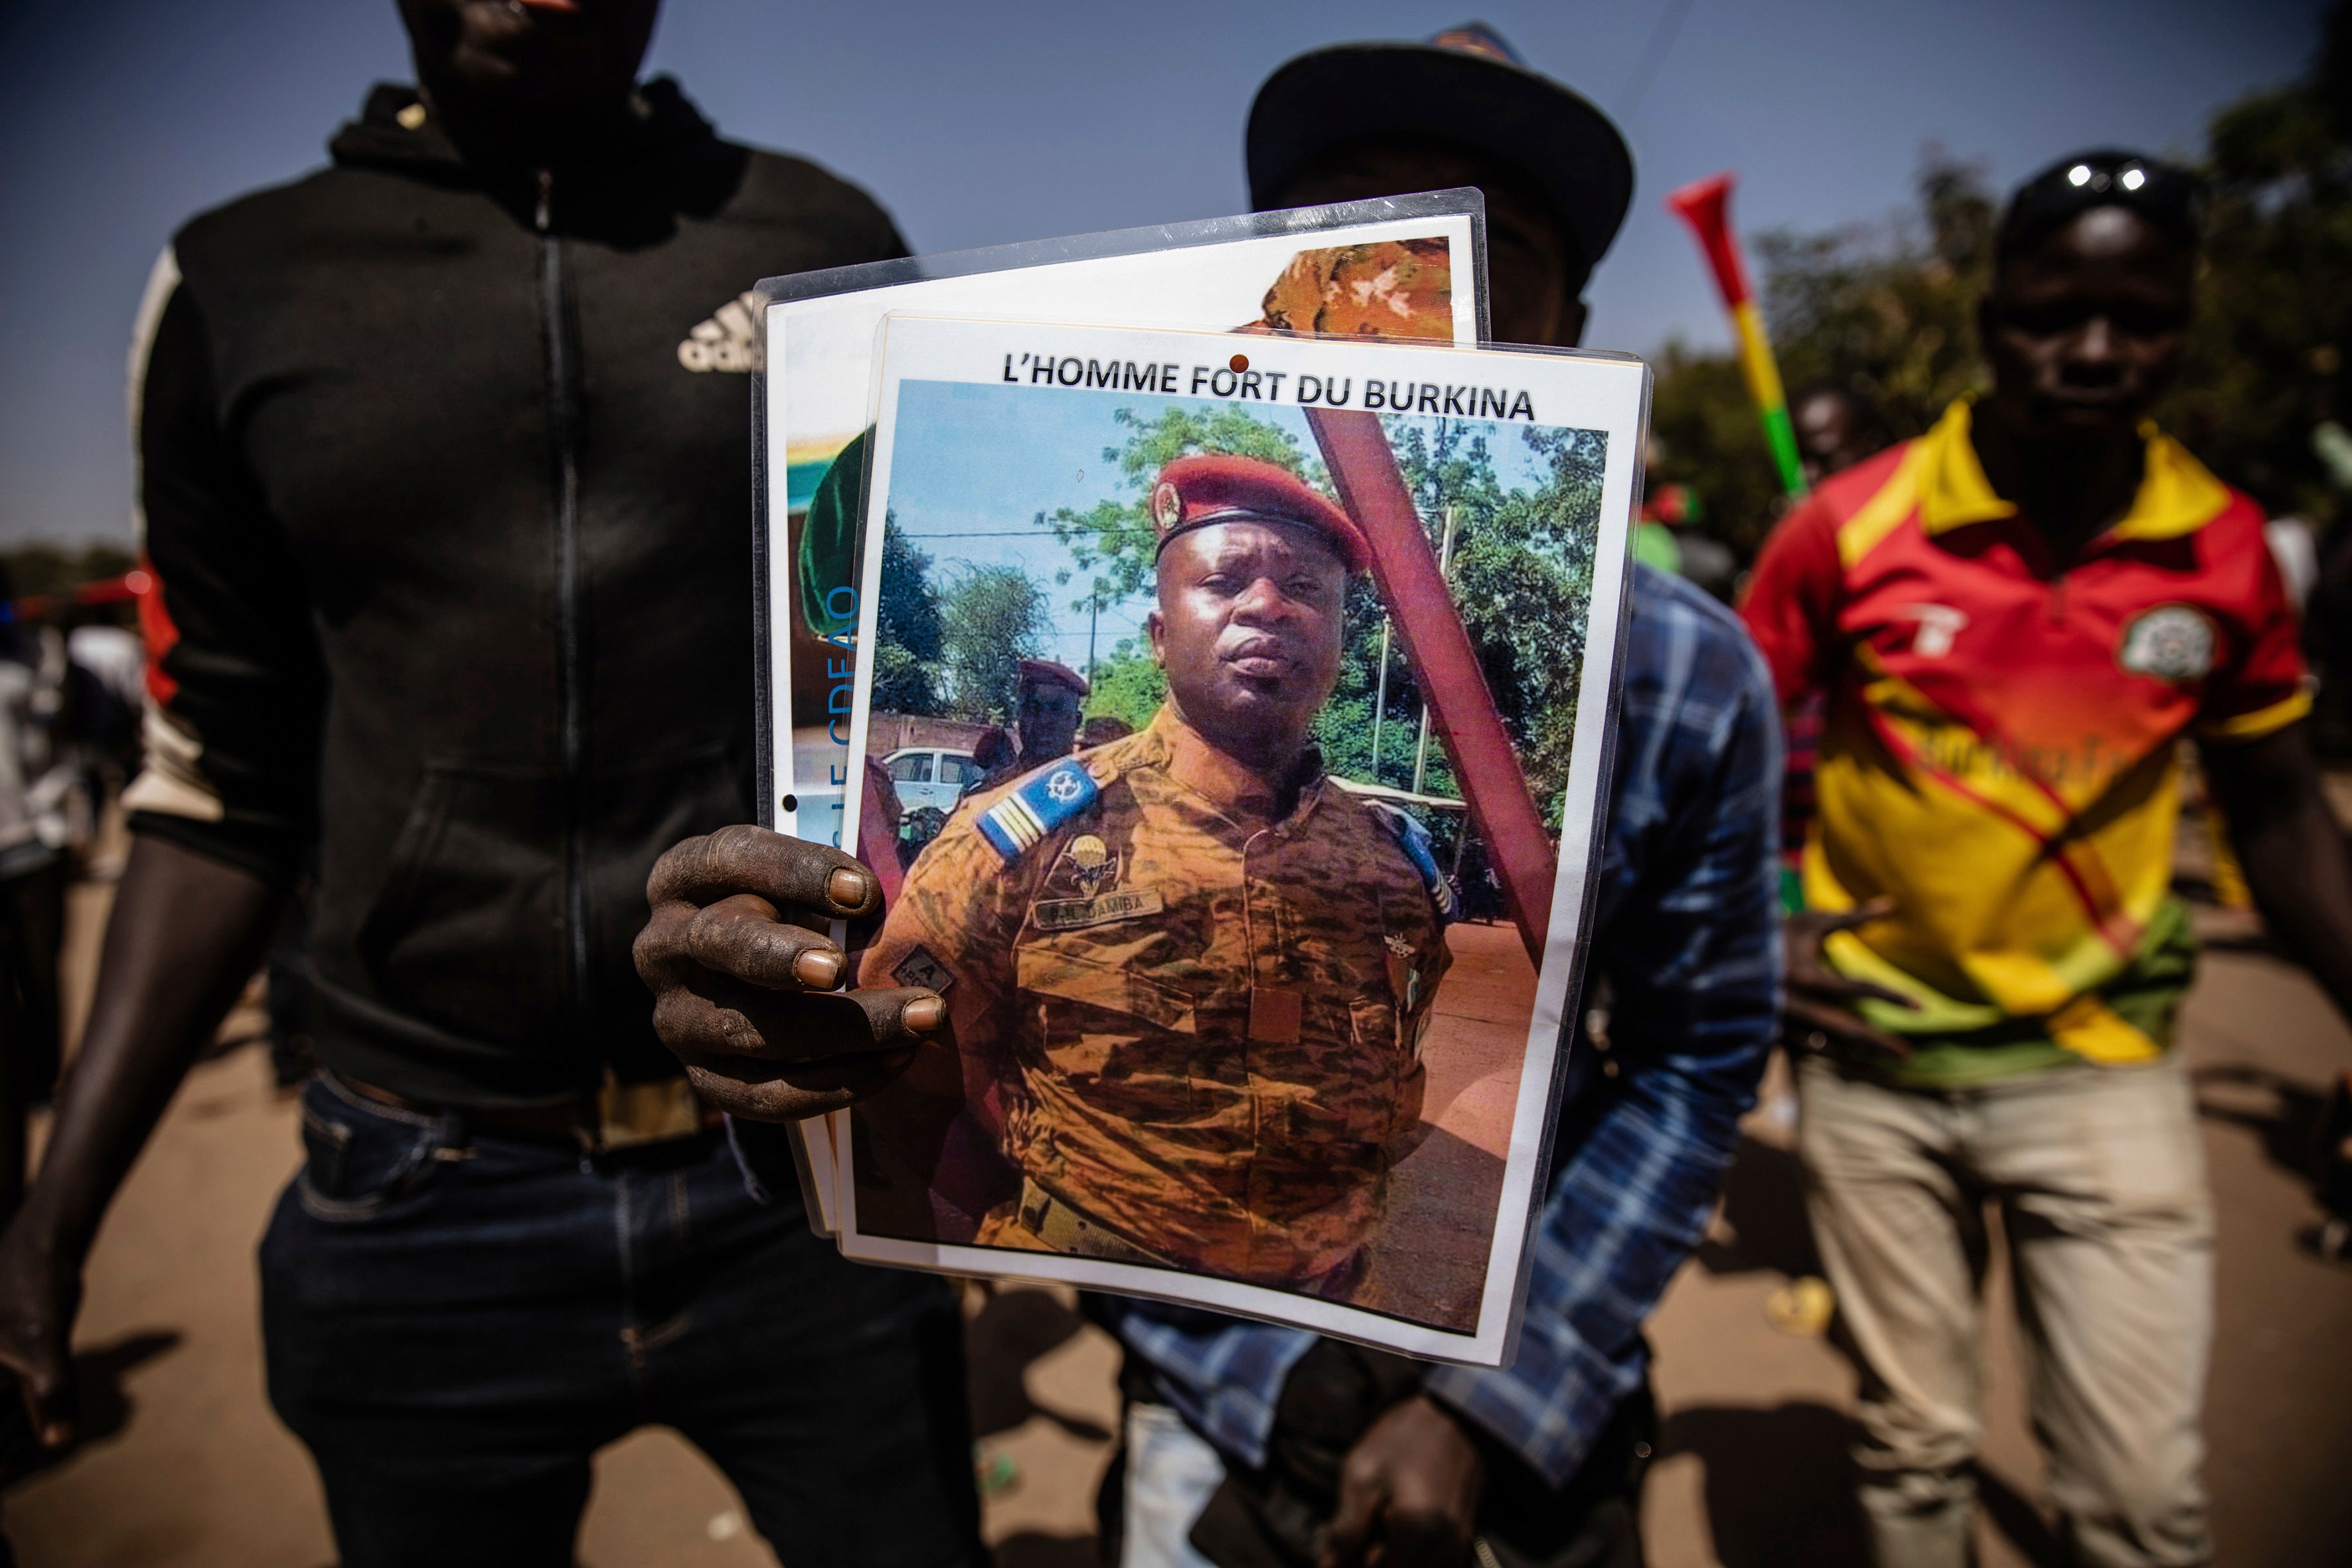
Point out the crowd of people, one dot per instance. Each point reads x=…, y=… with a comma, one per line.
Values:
x=491, y=712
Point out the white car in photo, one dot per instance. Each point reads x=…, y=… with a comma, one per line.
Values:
x=934, y=776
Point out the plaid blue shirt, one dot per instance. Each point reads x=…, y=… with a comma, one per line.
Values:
x=1687, y=930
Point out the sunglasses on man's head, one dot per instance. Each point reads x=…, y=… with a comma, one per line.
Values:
x=2169, y=197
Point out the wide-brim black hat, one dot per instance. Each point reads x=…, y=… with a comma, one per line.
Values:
x=1464, y=85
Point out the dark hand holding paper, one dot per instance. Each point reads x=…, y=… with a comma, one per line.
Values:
x=743, y=976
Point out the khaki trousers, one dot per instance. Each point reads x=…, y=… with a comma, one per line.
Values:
x=2101, y=1182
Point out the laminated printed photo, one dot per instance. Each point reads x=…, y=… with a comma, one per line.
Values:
x=1397, y=267
x=1283, y=670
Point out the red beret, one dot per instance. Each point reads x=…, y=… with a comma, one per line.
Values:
x=1193, y=492
x=1046, y=672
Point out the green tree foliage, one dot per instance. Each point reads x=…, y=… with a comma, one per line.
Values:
x=1126, y=686
x=1704, y=434
x=910, y=643
x=1888, y=310
x=991, y=619
x=1521, y=568
x=1113, y=539
x=2270, y=357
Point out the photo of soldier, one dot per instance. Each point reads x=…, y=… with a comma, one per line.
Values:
x=1082, y=923
x=1213, y=1005
x=1051, y=697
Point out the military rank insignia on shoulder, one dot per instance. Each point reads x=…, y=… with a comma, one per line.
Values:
x=1036, y=806
x=1413, y=839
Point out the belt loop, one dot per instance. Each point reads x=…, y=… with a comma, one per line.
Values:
x=452, y=1137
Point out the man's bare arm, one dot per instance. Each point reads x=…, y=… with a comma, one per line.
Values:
x=186, y=934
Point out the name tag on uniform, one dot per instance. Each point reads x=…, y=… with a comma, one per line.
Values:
x=1069, y=914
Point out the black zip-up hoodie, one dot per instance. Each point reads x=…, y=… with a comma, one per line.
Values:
x=446, y=479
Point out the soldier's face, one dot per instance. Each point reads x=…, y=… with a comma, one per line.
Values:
x=1049, y=720
x=1248, y=629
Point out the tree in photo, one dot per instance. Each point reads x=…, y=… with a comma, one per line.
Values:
x=991, y=619
x=910, y=642
x=1128, y=686
x=1521, y=569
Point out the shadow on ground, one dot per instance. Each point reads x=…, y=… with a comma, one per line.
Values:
x=1014, y=1327
x=2282, y=1113
x=1764, y=1205
x=1779, y=1491
x=1034, y=1548
x=103, y=1408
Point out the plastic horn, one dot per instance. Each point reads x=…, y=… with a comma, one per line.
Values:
x=1706, y=206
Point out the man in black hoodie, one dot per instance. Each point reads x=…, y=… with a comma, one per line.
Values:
x=445, y=487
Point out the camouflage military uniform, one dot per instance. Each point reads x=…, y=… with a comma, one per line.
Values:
x=1205, y=1036
x=1390, y=288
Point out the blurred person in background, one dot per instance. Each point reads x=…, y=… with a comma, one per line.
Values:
x=1669, y=536
x=1052, y=695
x=2016, y=619
x=1836, y=427
x=107, y=674
x=1252, y=1446
x=446, y=534
x=33, y=866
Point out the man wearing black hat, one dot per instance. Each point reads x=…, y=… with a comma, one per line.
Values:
x=1251, y=1445
x=2016, y=620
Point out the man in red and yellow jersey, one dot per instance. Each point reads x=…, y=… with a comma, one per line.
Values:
x=2015, y=620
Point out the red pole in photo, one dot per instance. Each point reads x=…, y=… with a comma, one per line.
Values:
x=1445, y=666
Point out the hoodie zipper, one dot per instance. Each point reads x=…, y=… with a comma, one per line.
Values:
x=561, y=375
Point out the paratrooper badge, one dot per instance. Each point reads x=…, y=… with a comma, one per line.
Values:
x=1093, y=869
x=1092, y=865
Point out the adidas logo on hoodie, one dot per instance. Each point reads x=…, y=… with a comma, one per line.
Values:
x=734, y=338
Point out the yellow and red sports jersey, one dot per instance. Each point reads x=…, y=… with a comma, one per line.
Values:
x=2000, y=755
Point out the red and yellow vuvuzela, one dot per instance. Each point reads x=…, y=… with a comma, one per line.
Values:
x=1706, y=206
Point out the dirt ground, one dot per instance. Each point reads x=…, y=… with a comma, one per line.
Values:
x=183, y=1463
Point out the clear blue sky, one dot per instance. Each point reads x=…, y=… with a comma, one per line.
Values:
x=977, y=124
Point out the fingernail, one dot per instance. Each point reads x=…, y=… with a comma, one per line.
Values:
x=822, y=969
x=847, y=889
x=924, y=1014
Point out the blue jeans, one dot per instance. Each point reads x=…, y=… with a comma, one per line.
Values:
x=456, y=1321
